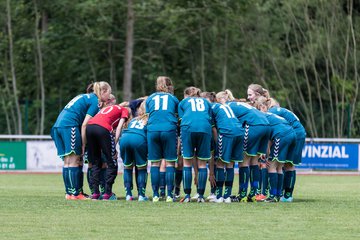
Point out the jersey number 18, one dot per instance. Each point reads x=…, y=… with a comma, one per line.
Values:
x=197, y=104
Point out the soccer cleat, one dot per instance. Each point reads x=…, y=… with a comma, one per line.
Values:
x=113, y=197
x=271, y=200
x=129, y=198
x=284, y=199
x=260, y=198
x=186, y=199
x=68, y=196
x=214, y=199
x=227, y=200
x=200, y=200
x=219, y=200
x=244, y=199
x=169, y=199
x=155, y=199
x=109, y=197
x=143, y=199
x=86, y=195
x=95, y=196
x=234, y=198
x=212, y=196
x=251, y=199
x=196, y=196
x=81, y=197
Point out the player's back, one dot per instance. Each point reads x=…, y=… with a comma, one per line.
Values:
x=110, y=116
x=226, y=121
x=75, y=111
x=162, y=110
x=289, y=116
x=195, y=114
x=278, y=125
x=136, y=126
x=247, y=113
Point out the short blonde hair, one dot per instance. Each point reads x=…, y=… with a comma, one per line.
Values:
x=230, y=95
x=227, y=95
x=262, y=101
x=221, y=94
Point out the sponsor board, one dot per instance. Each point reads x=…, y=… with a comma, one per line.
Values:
x=41, y=156
x=12, y=156
x=330, y=156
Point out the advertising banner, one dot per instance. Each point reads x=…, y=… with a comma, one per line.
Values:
x=42, y=156
x=330, y=156
x=12, y=156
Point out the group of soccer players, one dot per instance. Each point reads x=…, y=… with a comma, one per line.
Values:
x=203, y=131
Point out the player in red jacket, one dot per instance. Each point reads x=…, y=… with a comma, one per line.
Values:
x=100, y=138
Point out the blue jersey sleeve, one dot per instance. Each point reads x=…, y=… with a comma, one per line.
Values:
x=176, y=101
x=93, y=105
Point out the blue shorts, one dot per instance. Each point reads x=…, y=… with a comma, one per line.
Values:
x=256, y=138
x=283, y=147
x=133, y=150
x=297, y=153
x=67, y=140
x=162, y=145
x=230, y=148
x=198, y=142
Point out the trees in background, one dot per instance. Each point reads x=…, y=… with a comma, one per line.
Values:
x=305, y=52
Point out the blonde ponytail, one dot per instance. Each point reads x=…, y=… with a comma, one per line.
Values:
x=164, y=84
x=98, y=87
x=230, y=95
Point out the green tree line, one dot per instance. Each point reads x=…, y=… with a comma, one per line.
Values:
x=306, y=52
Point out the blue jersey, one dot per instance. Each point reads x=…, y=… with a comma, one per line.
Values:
x=195, y=114
x=226, y=121
x=75, y=111
x=136, y=126
x=278, y=126
x=292, y=119
x=248, y=114
x=162, y=109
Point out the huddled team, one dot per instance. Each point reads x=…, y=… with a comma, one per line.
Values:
x=205, y=132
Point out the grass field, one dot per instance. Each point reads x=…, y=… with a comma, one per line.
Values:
x=33, y=207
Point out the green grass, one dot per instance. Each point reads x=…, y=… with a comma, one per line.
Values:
x=33, y=207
